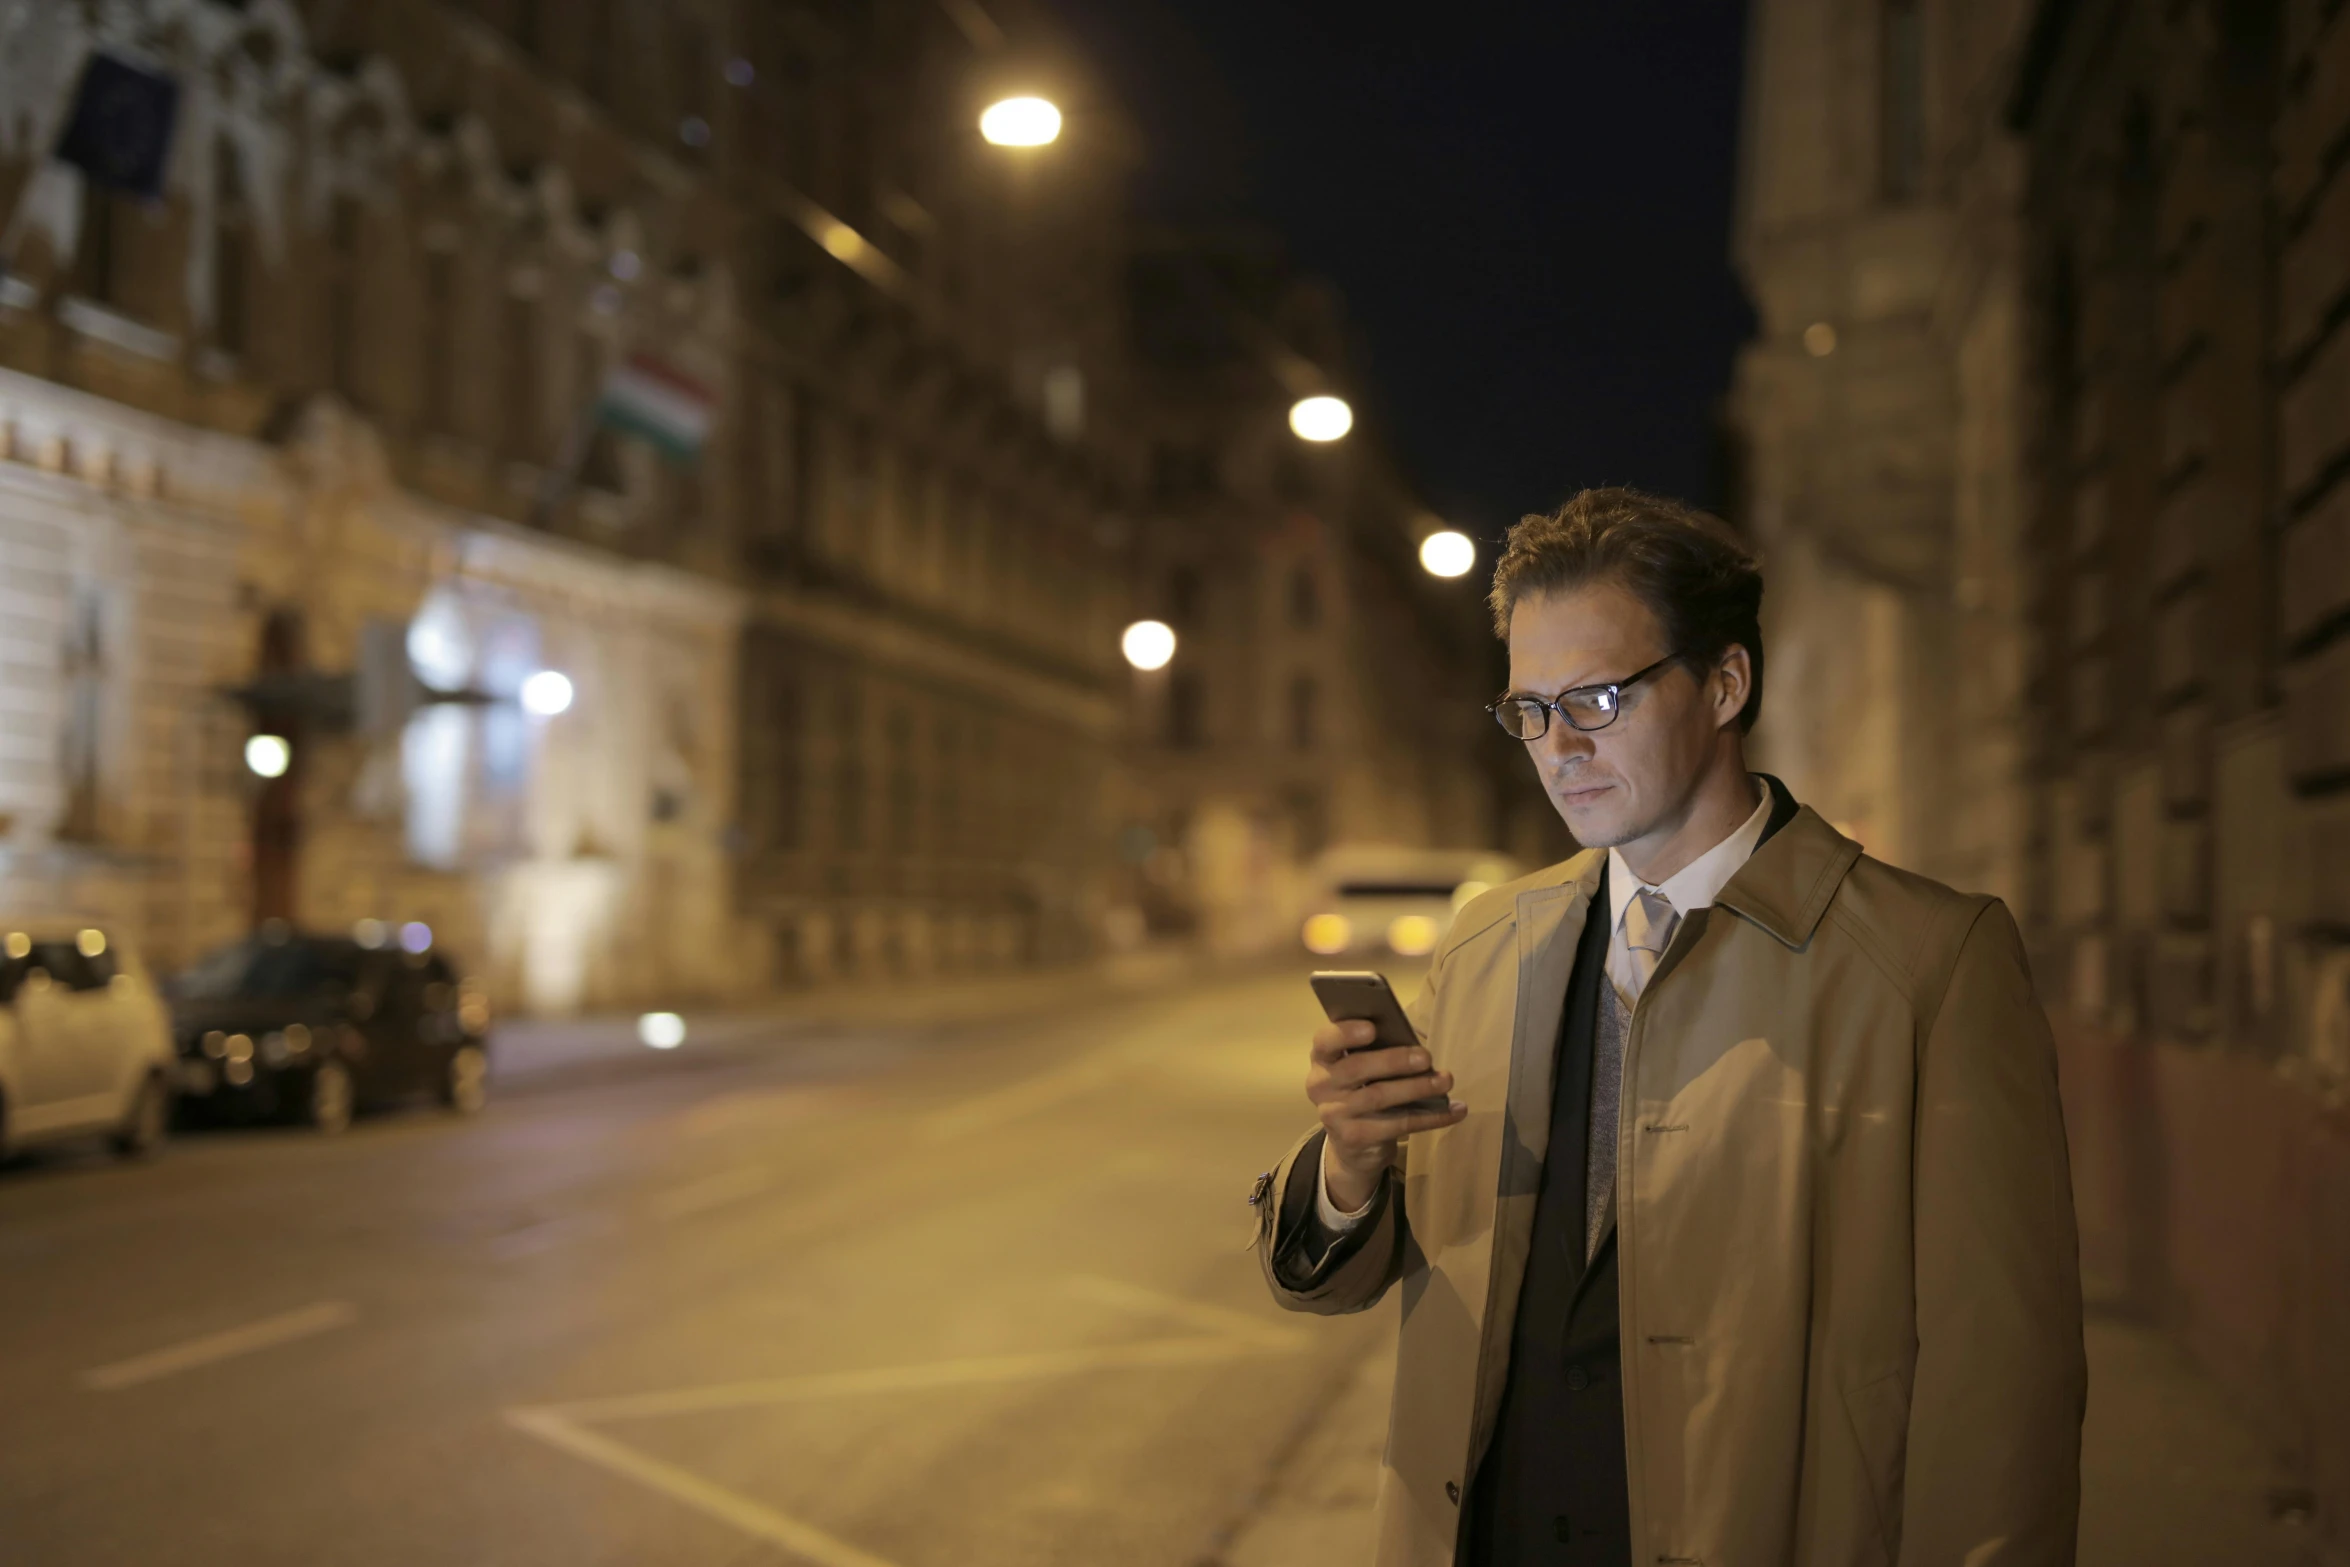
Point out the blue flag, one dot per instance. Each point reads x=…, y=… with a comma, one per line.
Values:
x=119, y=133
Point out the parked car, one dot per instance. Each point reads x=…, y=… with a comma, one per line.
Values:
x=85, y=1042
x=314, y=1027
x=1369, y=898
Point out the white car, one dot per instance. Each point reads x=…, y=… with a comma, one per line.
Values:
x=1371, y=898
x=85, y=1041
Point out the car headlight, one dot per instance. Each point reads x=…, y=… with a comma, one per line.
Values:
x=1327, y=934
x=1412, y=935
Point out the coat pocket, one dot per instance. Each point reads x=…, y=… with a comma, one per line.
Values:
x=1877, y=1409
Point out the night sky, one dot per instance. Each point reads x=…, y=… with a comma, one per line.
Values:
x=1525, y=205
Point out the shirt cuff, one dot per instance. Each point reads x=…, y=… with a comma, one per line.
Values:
x=1332, y=1218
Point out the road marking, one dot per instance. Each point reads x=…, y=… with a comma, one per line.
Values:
x=566, y=1425
x=710, y=1192
x=1213, y=1319
x=801, y=1539
x=187, y=1356
x=1041, y=1092
x=974, y=1371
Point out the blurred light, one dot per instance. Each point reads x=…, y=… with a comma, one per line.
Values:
x=1469, y=892
x=297, y=1039
x=1148, y=644
x=19, y=944
x=605, y=300
x=625, y=265
x=661, y=1030
x=369, y=933
x=415, y=936
x=740, y=72
x=1447, y=554
x=273, y=1049
x=694, y=131
x=215, y=1043
x=239, y=1047
x=238, y=1073
x=546, y=693
x=842, y=243
x=268, y=756
x=440, y=644
x=90, y=942
x=1412, y=935
x=1321, y=418
x=1328, y=934
x=1021, y=122
x=1819, y=340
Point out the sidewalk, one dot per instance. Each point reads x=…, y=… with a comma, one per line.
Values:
x=2170, y=1475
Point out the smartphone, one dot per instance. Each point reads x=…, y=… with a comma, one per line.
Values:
x=1347, y=997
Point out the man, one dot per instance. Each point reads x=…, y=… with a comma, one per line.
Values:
x=1747, y=1237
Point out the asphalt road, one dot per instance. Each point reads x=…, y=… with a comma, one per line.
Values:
x=931, y=1290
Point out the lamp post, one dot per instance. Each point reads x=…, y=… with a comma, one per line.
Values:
x=1447, y=553
x=1148, y=644
x=1023, y=121
x=1321, y=418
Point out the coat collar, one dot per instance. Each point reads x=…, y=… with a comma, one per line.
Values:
x=1785, y=887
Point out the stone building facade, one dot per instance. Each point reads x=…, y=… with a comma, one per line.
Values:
x=2049, y=405
x=843, y=688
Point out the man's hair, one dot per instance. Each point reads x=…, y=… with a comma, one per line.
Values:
x=1703, y=586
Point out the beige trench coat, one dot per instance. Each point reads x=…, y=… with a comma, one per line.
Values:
x=1849, y=1286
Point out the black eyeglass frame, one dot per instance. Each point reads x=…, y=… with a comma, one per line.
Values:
x=1614, y=691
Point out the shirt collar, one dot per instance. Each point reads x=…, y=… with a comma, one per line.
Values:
x=1695, y=885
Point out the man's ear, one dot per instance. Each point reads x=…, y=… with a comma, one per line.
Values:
x=1735, y=683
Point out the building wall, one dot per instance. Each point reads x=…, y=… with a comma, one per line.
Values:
x=2132, y=321
x=882, y=606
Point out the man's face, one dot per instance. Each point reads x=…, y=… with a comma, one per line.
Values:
x=1633, y=780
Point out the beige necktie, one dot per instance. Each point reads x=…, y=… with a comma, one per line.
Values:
x=1649, y=922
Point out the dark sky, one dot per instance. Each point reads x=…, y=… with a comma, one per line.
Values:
x=1525, y=203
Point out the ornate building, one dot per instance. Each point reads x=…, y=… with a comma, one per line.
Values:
x=842, y=690
x=2048, y=425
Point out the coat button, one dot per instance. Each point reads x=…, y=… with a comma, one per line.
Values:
x=1577, y=1379
x=1452, y=1493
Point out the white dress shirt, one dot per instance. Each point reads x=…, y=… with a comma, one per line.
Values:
x=1693, y=886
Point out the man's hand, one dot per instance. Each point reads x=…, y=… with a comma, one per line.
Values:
x=1358, y=1109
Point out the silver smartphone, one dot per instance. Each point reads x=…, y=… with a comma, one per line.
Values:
x=1349, y=996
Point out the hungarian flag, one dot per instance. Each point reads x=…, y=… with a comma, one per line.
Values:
x=643, y=396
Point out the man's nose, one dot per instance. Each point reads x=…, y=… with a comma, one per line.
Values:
x=1562, y=742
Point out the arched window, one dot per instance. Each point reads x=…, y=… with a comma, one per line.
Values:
x=1901, y=110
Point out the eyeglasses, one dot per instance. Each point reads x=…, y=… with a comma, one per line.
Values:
x=1585, y=707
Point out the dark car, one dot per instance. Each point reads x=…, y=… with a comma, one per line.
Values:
x=312, y=1027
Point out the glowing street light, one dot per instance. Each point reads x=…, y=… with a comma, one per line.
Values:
x=546, y=693
x=1447, y=554
x=660, y=1030
x=1321, y=418
x=1021, y=122
x=268, y=756
x=1148, y=644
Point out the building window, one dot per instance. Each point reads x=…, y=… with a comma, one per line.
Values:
x=518, y=357
x=342, y=298
x=1304, y=707
x=1902, y=109
x=98, y=261
x=81, y=745
x=232, y=259
x=1183, y=597
x=1305, y=599
x=440, y=341
x=1187, y=702
x=849, y=775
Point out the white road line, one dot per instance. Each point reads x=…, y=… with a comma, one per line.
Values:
x=801, y=1539
x=186, y=1356
x=971, y=1372
x=1214, y=1319
x=710, y=1192
x=1037, y=1093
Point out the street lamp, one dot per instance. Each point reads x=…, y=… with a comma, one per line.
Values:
x=1322, y=418
x=268, y=756
x=1447, y=554
x=1148, y=644
x=546, y=693
x=1021, y=122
